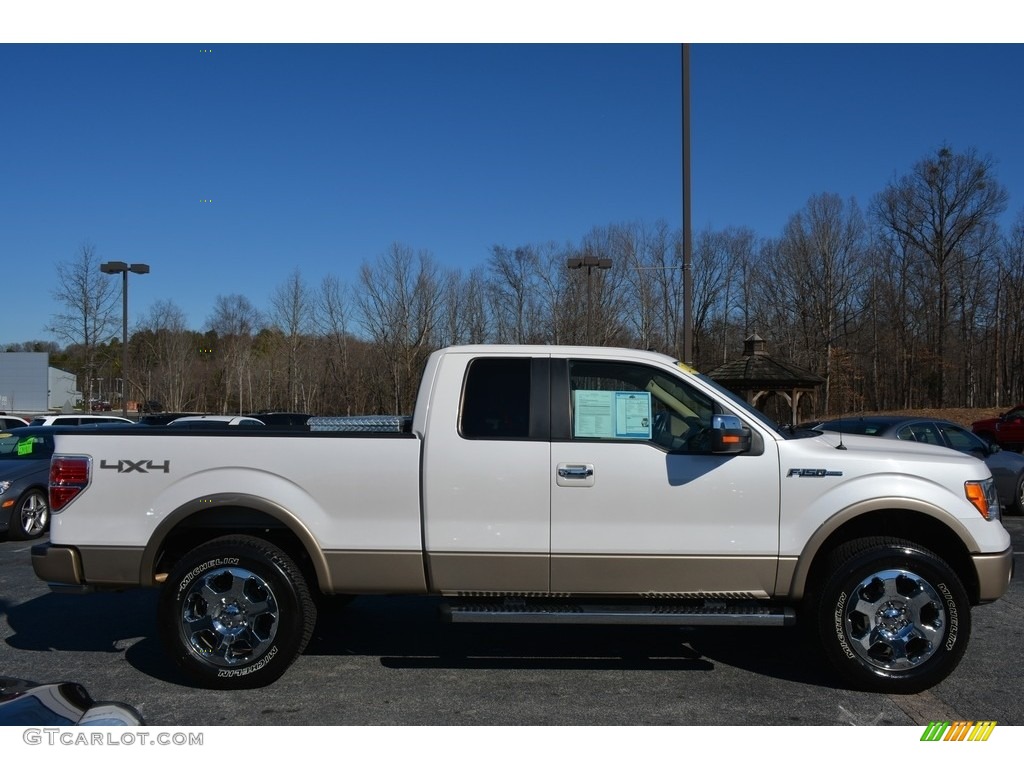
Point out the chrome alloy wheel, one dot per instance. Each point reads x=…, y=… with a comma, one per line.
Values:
x=34, y=515
x=229, y=616
x=894, y=620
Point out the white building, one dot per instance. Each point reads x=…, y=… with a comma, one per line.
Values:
x=29, y=385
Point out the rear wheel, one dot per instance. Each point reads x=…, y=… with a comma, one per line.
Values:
x=235, y=613
x=892, y=616
x=31, y=517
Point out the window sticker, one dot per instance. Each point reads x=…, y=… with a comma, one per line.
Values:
x=25, y=446
x=608, y=414
x=633, y=415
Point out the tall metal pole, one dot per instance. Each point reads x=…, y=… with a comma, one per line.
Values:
x=123, y=268
x=687, y=233
x=124, y=342
x=579, y=262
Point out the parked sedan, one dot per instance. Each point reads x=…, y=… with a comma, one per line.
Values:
x=1007, y=467
x=24, y=473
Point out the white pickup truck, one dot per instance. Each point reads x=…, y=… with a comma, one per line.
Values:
x=537, y=484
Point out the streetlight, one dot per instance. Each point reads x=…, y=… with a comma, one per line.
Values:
x=579, y=262
x=120, y=267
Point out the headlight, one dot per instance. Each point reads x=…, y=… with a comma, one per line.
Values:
x=4, y=485
x=982, y=494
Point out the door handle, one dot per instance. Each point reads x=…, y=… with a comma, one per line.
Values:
x=576, y=471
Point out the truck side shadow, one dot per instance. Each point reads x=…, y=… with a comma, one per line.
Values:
x=409, y=633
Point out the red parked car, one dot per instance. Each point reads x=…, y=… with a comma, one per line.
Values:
x=1006, y=431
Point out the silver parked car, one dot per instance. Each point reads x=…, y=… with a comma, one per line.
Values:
x=1007, y=467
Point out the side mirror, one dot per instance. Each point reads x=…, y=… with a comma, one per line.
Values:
x=728, y=435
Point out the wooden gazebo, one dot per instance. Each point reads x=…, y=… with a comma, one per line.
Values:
x=757, y=375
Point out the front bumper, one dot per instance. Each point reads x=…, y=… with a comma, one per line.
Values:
x=994, y=574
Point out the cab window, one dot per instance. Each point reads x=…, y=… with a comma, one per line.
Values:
x=496, y=399
x=628, y=402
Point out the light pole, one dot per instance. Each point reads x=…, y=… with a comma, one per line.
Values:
x=113, y=268
x=578, y=262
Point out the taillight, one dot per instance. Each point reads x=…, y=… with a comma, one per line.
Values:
x=69, y=476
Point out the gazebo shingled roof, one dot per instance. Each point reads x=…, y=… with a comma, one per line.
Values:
x=757, y=375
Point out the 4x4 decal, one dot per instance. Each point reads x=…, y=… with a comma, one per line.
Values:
x=123, y=466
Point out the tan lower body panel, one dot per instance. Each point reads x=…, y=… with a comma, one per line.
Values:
x=454, y=573
x=490, y=573
x=752, y=577
x=402, y=572
x=376, y=572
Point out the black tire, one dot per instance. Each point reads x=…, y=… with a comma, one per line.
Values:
x=1016, y=505
x=892, y=617
x=235, y=613
x=30, y=518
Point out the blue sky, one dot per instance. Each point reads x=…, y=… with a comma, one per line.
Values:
x=319, y=157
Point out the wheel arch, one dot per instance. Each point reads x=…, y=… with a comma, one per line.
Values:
x=920, y=524
x=201, y=520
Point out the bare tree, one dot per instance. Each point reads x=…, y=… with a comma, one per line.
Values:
x=235, y=321
x=653, y=278
x=514, y=288
x=399, y=302
x=821, y=270
x=933, y=213
x=292, y=312
x=165, y=351
x=332, y=319
x=90, y=299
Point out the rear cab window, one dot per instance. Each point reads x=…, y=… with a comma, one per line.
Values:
x=496, y=399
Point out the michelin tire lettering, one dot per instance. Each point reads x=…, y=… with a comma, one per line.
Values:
x=251, y=668
x=199, y=569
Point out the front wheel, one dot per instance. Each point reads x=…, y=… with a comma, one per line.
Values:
x=235, y=613
x=893, y=616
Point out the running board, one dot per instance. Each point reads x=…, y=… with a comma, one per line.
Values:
x=708, y=614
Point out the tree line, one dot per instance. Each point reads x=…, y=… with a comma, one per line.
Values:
x=914, y=302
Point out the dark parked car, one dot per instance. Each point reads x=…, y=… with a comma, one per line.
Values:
x=1006, y=430
x=1007, y=467
x=24, y=473
x=281, y=418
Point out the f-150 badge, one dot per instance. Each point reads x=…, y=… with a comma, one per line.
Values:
x=814, y=473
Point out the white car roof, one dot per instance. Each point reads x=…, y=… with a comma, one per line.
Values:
x=75, y=418
x=228, y=420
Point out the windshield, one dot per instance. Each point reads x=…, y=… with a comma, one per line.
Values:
x=733, y=398
x=787, y=432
